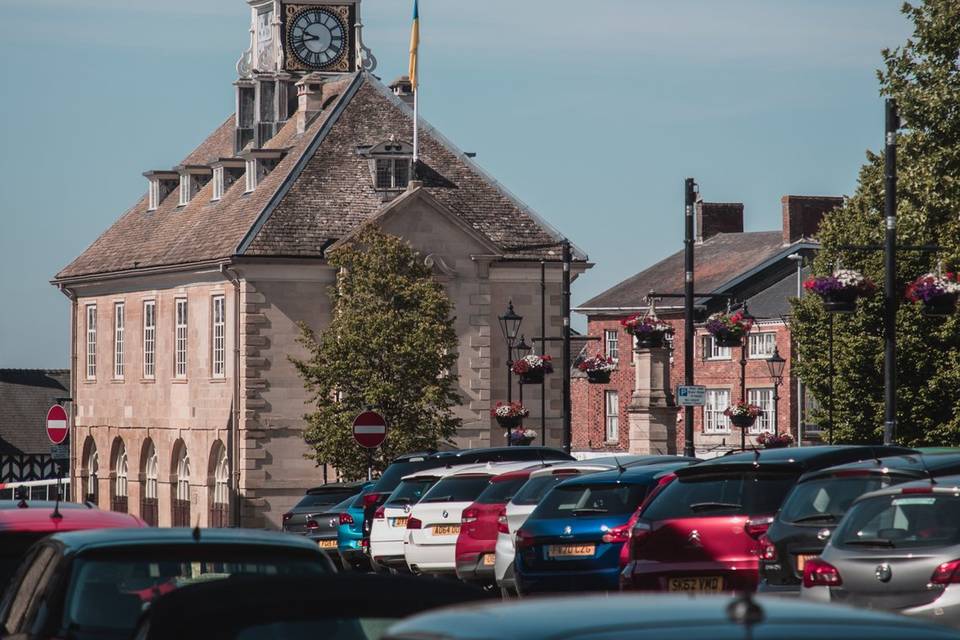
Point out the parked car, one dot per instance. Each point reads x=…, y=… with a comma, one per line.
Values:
x=318, y=500
x=698, y=533
x=433, y=525
x=324, y=529
x=896, y=549
x=350, y=533
x=660, y=617
x=572, y=540
x=814, y=507
x=529, y=495
x=94, y=584
x=341, y=607
x=22, y=523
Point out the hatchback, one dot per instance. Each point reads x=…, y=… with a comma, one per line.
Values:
x=350, y=533
x=697, y=533
x=317, y=500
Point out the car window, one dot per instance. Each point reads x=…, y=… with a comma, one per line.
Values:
x=23, y=595
x=590, y=499
x=535, y=488
x=740, y=493
x=825, y=500
x=324, y=498
x=397, y=470
x=410, y=491
x=501, y=492
x=902, y=521
x=13, y=547
x=457, y=489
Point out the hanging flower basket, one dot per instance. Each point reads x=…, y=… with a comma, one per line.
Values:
x=649, y=330
x=532, y=368
x=729, y=329
x=937, y=293
x=743, y=414
x=841, y=290
x=770, y=440
x=522, y=437
x=598, y=368
x=509, y=415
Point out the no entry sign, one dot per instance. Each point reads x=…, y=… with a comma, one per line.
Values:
x=369, y=429
x=57, y=426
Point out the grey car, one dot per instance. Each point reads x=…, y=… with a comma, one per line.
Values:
x=896, y=549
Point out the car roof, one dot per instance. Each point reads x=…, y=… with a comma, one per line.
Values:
x=594, y=464
x=495, y=468
x=573, y=616
x=516, y=474
x=912, y=465
x=43, y=504
x=946, y=484
x=83, y=541
x=628, y=476
x=459, y=453
x=41, y=520
x=332, y=487
x=797, y=459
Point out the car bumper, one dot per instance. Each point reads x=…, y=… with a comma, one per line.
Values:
x=430, y=558
x=471, y=568
x=386, y=549
x=782, y=590
x=505, y=553
x=739, y=575
x=606, y=579
x=945, y=609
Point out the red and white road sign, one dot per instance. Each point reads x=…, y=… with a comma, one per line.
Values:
x=369, y=429
x=57, y=426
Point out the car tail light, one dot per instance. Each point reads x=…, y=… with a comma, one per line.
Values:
x=638, y=536
x=346, y=518
x=617, y=534
x=817, y=573
x=756, y=527
x=947, y=573
x=370, y=499
x=502, y=526
x=364, y=543
x=524, y=539
x=312, y=524
x=287, y=516
x=469, y=515
x=414, y=523
x=910, y=490
x=380, y=513
x=768, y=551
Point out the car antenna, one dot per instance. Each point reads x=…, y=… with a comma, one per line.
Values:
x=196, y=530
x=620, y=467
x=876, y=458
x=756, y=457
x=926, y=470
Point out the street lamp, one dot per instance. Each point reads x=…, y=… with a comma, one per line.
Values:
x=522, y=349
x=748, y=320
x=775, y=365
x=510, y=325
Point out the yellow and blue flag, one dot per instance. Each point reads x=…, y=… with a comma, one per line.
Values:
x=414, y=45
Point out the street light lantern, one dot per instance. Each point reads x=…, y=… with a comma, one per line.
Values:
x=510, y=324
x=523, y=348
x=775, y=365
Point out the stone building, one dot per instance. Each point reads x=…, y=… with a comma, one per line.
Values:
x=752, y=266
x=184, y=312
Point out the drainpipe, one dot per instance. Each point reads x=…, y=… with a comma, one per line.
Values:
x=233, y=435
x=72, y=296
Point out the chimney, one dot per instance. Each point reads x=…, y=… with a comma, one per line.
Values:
x=718, y=217
x=309, y=100
x=402, y=88
x=802, y=215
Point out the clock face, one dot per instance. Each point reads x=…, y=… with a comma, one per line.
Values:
x=317, y=38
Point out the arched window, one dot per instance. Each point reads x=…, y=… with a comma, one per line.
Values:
x=220, y=494
x=92, y=484
x=118, y=497
x=150, y=467
x=181, y=487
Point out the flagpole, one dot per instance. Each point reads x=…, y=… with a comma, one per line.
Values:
x=416, y=130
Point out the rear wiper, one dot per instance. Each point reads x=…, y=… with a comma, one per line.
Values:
x=709, y=506
x=400, y=501
x=590, y=510
x=816, y=517
x=871, y=542
x=440, y=499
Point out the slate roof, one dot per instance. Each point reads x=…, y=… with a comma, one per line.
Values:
x=773, y=302
x=25, y=397
x=320, y=191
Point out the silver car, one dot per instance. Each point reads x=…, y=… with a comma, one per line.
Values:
x=896, y=549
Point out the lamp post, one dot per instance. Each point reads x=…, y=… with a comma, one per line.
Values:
x=748, y=319
x=522, y=349
x=775, y=366
x=510, y=325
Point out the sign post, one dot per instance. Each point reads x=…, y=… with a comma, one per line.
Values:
x=369, y=430
x=58, y=430
x=691, y=395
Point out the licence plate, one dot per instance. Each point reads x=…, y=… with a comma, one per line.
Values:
x=327, y=544
x=446, y=529
x=399, y=522
x=570, y=550
x=489, y=560
x=714, y=583
x=802, y=561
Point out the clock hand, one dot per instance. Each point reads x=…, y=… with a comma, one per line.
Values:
x=306, y=37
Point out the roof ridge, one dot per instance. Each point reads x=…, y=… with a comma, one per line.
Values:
x=33, y=369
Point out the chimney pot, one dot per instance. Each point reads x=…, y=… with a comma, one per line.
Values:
x=403, y=89
x=718, y=217
x=802, y=215
x=309, y=100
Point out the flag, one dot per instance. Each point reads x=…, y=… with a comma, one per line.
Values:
x=414, y=45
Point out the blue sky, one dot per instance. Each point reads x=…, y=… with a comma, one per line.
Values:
x=593, y=113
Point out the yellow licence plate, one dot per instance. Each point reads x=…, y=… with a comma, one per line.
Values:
x=400, y=522
x=570, y=550
x=446, y=529
x=802, y=561
x=714, y=583
x=489, y=560
x=327, y=544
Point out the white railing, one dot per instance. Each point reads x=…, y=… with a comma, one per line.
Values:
x=34, y=490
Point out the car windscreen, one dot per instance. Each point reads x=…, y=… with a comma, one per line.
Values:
x=535, y=488
x=901, y=521
x=501, y=492
x=457, y=489
x=324, y=498
x=13, y=547
x=590, y=500
x=709, y=494
x=410, y=491
x=108, y=591
x=825, y=500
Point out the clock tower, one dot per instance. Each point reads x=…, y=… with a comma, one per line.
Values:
x=288, y=40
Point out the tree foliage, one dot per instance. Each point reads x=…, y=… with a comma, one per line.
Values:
x=923, y=76
x=390, y=346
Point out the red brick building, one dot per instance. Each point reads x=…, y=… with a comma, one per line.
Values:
x=762, y=268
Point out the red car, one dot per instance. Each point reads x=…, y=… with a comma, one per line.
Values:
x=477, y=541
x=700, y=532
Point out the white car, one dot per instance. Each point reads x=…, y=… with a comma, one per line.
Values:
x=433, y=525
x=529, y=495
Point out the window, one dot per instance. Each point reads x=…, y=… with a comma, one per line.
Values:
x=153, y=195
x=220, y=507
x=762, y=344
x=180, y=346
x=763, y=398
x=118, y=341
x=717, y=402
x=93, y=479
x=713, y=352
x=151, y=474
x=181, y=491
x=219, y=354
x=149, y=339
x=91, y=341
x=186, y=189
x=217, y=183
x=251, y=175
x=393, y=173
x=610, y=338
x=118, y=501
x=611, y=413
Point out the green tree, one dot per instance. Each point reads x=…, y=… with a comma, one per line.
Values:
x=923, y=76
x=390, y=346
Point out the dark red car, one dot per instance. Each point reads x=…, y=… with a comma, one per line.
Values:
x=699, y=533
x=477, y=541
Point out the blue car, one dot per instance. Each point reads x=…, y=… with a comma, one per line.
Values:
x=572, y=540
x=350, y=533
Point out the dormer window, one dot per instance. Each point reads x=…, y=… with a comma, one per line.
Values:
x=392, y=174
x=193, y=177
x=259, y=163
x=390, y=166
x=159, y=186
x=226, y=171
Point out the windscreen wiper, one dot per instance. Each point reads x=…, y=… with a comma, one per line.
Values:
x=816, y=517
x=709, y=506
x=870, y=542
x=590, y=510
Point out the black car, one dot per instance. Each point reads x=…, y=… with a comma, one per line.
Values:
x=95, y=584
x=341, y=607
x=318, y=500
x=815, y=506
